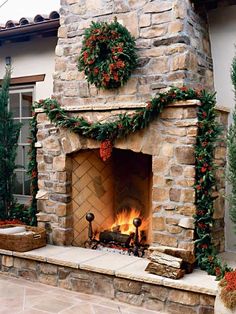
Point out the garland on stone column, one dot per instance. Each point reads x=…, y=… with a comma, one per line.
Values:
x=108, y=132
x=33, y=171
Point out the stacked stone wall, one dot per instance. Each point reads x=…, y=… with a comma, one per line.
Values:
x=172, y=41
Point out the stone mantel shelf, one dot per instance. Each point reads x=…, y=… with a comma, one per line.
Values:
x=128, y=267
x=115, y=106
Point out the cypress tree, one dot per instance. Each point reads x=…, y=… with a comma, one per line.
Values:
x=9, y=134
x=231, y=142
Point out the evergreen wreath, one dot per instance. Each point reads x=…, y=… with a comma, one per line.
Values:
x=208, y=132
x=108, y=54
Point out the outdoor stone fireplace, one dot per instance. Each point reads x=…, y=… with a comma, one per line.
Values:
x=152, y=170
x=73, y=180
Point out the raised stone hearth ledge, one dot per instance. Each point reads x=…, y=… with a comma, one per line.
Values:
x=128, y=267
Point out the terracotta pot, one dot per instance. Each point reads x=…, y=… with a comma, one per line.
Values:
x=219, y=307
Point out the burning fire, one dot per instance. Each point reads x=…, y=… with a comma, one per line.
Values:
x=124, y=221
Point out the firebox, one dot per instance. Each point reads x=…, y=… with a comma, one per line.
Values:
x=115, y=192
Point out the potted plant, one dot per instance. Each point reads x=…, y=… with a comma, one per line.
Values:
x=226, y=298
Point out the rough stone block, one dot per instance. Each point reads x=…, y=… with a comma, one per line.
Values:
x=134, y=299
x=104, y=286
x=187, y=223
x=176, y=171
x=188, y=195
x=167, y=150
x=160, y=165
x=158, y=223
x=164, y=239
x=187, y=210
x=153, y=31
x=175, y=308
x=155, y=292
x=184, y=297
x=163, y=17
x=175, y=27
x=153, y=304
x=127, y=285
x=158, y=6
x=158, y=66
x=50, y=280
x=175, y=194
x=174, y=229
x=28, y=274
x=48, y=269
x=7, y=261
x=185, y=155
x=160, y=194
x=24, y=264
x=62, y=236
x=145, y=20
x=206, y=310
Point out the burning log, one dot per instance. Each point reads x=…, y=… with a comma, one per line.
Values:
x=117, y=237
x=120, y=237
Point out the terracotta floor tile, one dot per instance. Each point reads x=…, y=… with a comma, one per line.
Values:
x=83, y=308
x=52, y=305
x=18, y=296
x=99, y=309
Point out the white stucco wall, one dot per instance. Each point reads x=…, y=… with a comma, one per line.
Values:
x=32, y=57
x=223, y=40
x=223, y=44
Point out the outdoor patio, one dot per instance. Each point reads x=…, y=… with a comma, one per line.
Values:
x=20, y=296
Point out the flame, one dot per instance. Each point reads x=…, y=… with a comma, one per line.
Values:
x=124, y=221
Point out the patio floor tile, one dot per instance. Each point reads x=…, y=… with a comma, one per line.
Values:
x=18, y=296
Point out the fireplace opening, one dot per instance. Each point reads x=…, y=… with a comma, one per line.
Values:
x=112, y=200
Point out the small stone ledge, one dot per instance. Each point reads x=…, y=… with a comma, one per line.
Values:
x=223, y=109
x=126, y=267
x=6, y=252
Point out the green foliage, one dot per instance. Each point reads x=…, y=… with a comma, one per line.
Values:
x=108, y=55
x=231, y=142
x=9, y=133
x=30, y=214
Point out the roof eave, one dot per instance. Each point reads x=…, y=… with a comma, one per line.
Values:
x=29, y=30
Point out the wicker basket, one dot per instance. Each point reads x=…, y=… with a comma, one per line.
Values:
x=23, y=243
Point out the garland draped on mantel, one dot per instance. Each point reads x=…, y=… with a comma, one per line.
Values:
x=108, y=132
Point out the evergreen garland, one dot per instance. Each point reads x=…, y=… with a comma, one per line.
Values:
x=108, y=54
x=9, y=133
x=208, y=132
x=231, y=142
x=33, y=171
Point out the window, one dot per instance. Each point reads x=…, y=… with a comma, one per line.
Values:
x=20, y=104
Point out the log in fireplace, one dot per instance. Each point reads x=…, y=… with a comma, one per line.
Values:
x=132, y=243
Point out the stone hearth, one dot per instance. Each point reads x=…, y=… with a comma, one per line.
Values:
x=122, y=279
